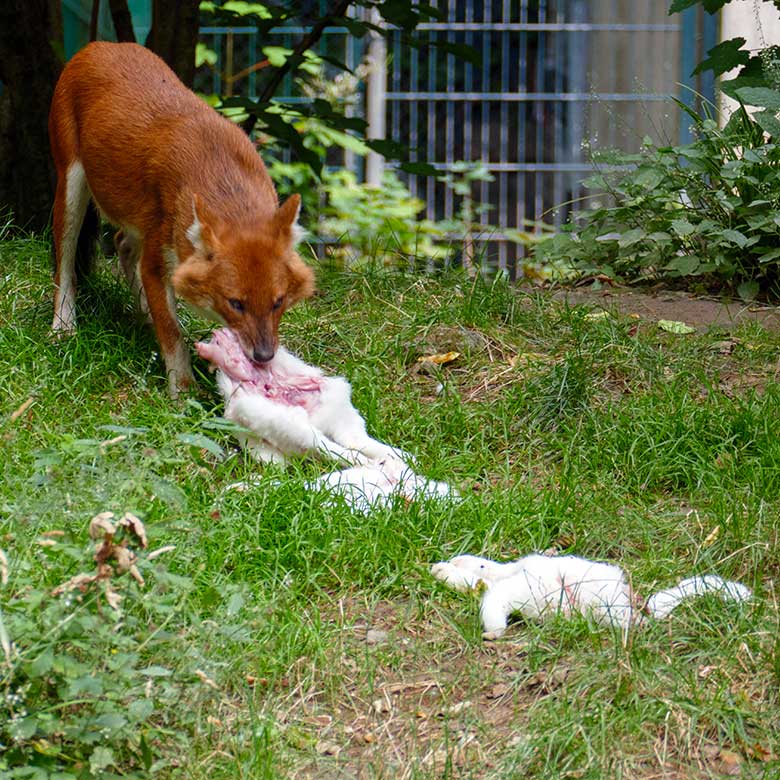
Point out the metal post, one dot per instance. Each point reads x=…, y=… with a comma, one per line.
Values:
x=376, y=91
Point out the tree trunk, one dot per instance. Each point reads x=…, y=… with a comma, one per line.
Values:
x=174, y=35
x=30, y=46
x=123, y=21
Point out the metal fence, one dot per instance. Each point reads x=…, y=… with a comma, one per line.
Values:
x=558, y=77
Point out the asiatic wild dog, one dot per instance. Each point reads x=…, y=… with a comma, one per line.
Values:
x=198, y=211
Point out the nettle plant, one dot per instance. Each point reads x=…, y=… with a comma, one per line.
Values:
x=708, y=210
x=77, y=699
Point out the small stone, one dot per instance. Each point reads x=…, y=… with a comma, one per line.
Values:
x=326, y=748
x=375, y=636
x=382, y=705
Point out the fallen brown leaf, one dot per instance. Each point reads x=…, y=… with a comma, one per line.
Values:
x=17, y=413
x=101, y=524
x=130, y=521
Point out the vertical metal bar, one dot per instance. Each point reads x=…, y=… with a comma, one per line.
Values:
x=430, y=151
x=484, y=130
x=215, y=77
x=540, y=112
x=559, y=153
x=707, y=79
x=449, y=122
x=349, y=157
x=229, y=63
x=522, y=107
x=414, y=139
x=396, y=106
x=468, y=85
x=503, y=137
x=376, y=98
x=613, y=85
x=687, y=65
x=578, y=69
x=252, y=86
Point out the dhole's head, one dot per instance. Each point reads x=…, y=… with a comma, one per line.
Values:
x=245, y=276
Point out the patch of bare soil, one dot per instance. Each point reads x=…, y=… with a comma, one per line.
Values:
x=674, y=305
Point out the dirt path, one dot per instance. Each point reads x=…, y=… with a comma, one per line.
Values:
x=672, y=305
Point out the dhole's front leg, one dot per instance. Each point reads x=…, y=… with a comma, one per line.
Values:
x=162, y=308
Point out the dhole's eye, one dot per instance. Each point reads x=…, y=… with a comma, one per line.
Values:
x=236, y=304
x=278, y=302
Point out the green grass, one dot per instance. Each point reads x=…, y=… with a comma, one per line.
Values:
x=244, y=655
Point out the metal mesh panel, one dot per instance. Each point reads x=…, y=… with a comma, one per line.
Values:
x=557, y=77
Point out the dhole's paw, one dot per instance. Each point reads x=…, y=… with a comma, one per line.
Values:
x=60, y=329
x=180, y=384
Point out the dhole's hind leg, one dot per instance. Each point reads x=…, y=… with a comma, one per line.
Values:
x=162, y=307
x=70, y=206
x=128, y=249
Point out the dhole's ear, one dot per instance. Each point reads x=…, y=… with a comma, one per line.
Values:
x=300, y=283
x=287, y=219
x=200, y=232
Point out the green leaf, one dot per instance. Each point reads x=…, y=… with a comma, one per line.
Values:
x=631, y=237
x=277, y=55
x=202, y=442
x=140, y=710
x=735, y=237
x=768, y=122
x=25, y=728
x=710, y=6
x=760, y=96
x=101, y=758
x=88, y=684
x=748, y=290
x=126, y=430
x=725, y=56
x=43, y=663
x=155, y=671
x=205, y=56
x=685, y=265
x=649, y=178
x=111, y=721
x=168, y=492
x=675, y=326
x=419, y=168
x=682, y=227
x=767, y=257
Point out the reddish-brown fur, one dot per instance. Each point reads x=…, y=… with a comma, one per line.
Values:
x=188, y=190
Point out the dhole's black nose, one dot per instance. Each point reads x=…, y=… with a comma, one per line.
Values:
x=262, y=354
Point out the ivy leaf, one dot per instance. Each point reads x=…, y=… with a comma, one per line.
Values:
x=724, y=56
